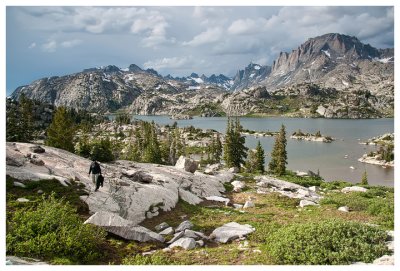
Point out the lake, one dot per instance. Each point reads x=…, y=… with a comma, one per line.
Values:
x=328, y=158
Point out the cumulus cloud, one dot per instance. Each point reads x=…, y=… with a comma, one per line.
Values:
x=32, y=45
x=247, y=26
x=211, y=35
x=150, y=25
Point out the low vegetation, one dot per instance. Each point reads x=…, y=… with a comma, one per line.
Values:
x=52, y=231
x=278, y=220
x=326, y=242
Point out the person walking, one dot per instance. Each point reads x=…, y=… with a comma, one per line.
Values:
x=96, y=172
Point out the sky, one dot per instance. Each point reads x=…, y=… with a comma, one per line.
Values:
x=59, y=40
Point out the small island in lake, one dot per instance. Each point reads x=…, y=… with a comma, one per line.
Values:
x=384, y=156
x=258, y=133
x=317, y=137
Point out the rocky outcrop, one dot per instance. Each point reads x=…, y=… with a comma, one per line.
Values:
x=185, y=243
x=123, y=193
x=14, y=260
x=268, y=184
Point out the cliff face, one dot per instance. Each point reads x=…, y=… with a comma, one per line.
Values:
x=334, y=60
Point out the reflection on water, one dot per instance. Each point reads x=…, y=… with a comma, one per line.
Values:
x=328, y=158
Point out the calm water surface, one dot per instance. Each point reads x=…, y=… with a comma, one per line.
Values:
x=328, y=158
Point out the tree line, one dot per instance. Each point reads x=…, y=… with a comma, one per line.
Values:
x=146, y=144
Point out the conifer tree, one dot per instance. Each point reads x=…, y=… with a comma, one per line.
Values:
x=217, y=149
x=235, y=151
x=240, y=150
x=251, y=162
x=278, y=162
x=228, y=145
x=61, y=131
x=260, y=157
x=364, y=178
x=27, y=118
x=102, y=150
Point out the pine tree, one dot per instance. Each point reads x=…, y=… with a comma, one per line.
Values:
x=228, y=145
x=364, y=178
x=61, y=131
x=278, y=162
x=235, y=151
x=260, y=158
x=217, y=149
x=251, y=162
x=20, y=120
x=102, y=150
x=240, y=150
x=27, y=118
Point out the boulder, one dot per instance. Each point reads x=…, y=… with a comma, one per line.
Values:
x=200, y=243
x=237, y=206
x=37, y=149
x=124, y=228
x=212, y=169
x=238, y=186
x=18, y=184
x=194, y=234
x=249, y=204
x=161, y=226
x=186, y=164
x=354, y=189
x=138, y=176
x=185, y=243
x=177, y=236
x=167, y=231
x=314, y=188
x=184, y=226
x=219, y=199
x=233, y=170
x=343, y=209
x=304, y=203
x=231, y=231
x=12, y=161
x=37, y=162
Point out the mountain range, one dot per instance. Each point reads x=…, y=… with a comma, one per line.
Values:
x=333, y=76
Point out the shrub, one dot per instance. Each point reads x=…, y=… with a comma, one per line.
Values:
x=375, y=202
x=304, y=181
x=52, y=231
x=102, y=150
x=326, y=242
x=335, y=185
x=154, y=259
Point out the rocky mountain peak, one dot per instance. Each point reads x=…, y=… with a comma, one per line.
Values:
x=134, y=68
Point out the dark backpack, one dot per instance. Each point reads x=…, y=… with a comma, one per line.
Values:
x=100, y=179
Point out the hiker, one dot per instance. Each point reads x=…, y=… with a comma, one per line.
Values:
x=96, y=173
